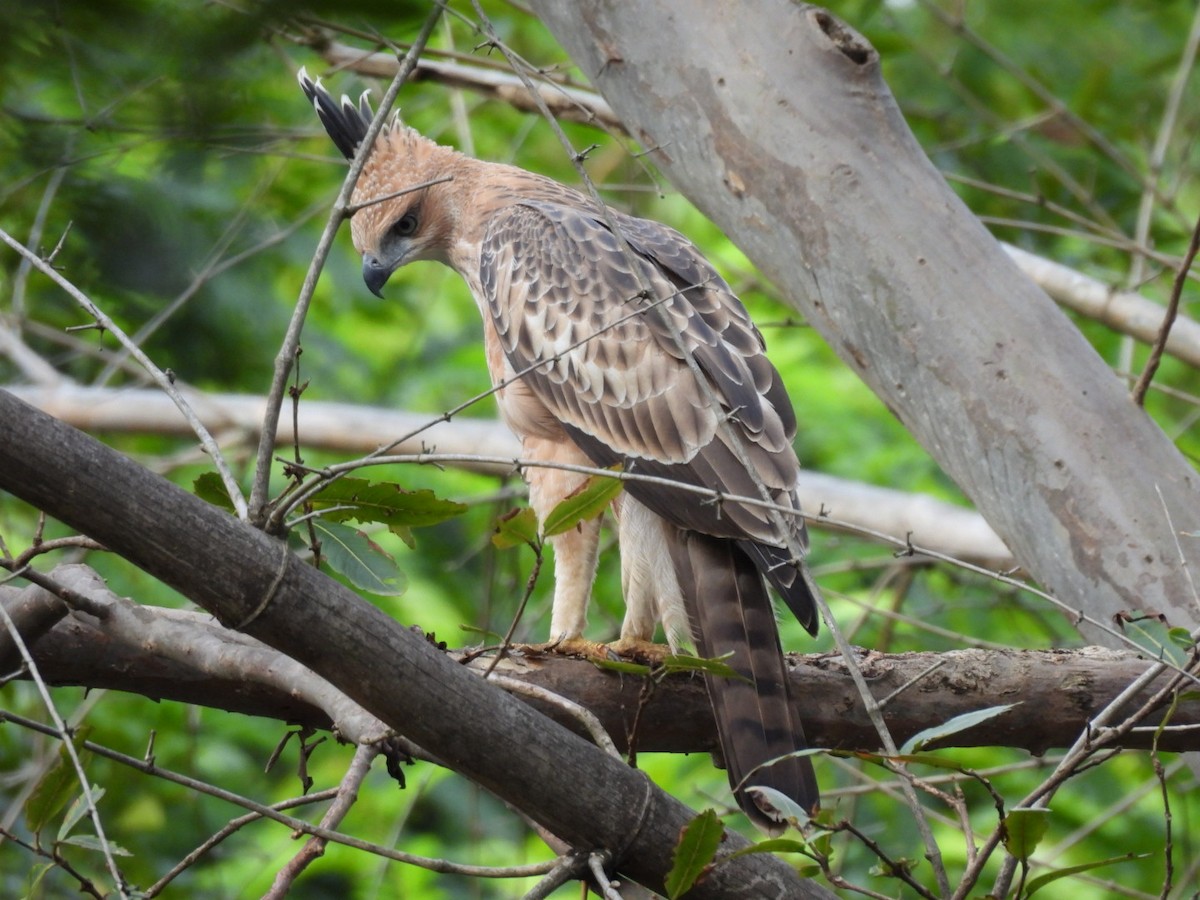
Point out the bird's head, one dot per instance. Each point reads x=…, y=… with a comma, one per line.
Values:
x=402, y=212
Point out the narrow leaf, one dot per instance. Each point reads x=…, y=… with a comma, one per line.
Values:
x=36, y=875
x=788, y=809
x=682, y=663
x=586, y=503
x=928, y=759
x=621, y=667
x=361, y=560
x=91, y=842
x=56, y=786
x=953, y=726
x=698, y=843
x=775, y=845
x=1024, y=830
x=78, y=810
x=1156, y=638
x=1181, y=638
x=1036, y=884
x=492, y=637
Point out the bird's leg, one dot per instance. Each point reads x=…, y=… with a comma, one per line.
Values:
x=648, y=582
x=649, y=586
x=575, y=555
x=575, y=550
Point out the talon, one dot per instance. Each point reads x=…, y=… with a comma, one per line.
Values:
x=576, y=647
x=636, y=650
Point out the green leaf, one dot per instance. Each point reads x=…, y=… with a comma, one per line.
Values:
x=78, y=810
x=361, y=560
x=697, y=847
x=210, y=488
x=1036, y=884
x=929, y=759
x=1156, y=638
x=36, y=874
x=57, y=785
x=897, y=867
x=953, y=726
x=365, y=502
x=516, y=529
x=492, y=637
x=1024, y=830
x=587, y=502
x=1181, y=638
x=622, y=667
x=91, y=842
x=717, y=667
x=775, y=845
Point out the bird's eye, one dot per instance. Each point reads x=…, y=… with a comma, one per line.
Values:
x=405, y=226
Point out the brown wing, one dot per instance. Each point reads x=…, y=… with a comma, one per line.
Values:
x=567, y=301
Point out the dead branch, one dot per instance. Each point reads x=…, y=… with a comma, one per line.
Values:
x=569, y=103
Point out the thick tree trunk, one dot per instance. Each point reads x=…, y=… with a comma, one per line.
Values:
x=773, y=118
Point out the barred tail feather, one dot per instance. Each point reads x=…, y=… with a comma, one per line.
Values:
x=756, y=715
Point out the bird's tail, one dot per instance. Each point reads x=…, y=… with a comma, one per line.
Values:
x=757, y=719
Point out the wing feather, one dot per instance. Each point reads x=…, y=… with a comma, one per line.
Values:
x=566, y=301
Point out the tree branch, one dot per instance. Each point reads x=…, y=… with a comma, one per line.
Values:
x=568, y=103
x=1122, y=311
x=178, y=655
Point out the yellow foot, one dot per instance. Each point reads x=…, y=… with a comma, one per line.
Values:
x=635, y=650
x=624, y=650
x=575, y=647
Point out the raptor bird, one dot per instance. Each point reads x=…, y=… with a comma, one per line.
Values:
x=616, y=342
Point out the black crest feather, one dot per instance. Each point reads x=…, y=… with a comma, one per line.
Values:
x=346, y=123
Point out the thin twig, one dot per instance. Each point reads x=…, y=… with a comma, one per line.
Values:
x=1156, y=353
x=520, y=463
x=330, y=473
x=1154, y=166
x=568, y=868
x=231, y=828
x=314, y=847
x=212, y=269
x=1085, y=129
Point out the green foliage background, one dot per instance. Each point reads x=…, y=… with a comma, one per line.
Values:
x=165, y=139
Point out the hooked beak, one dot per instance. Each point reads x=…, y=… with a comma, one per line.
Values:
x=375, y=274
